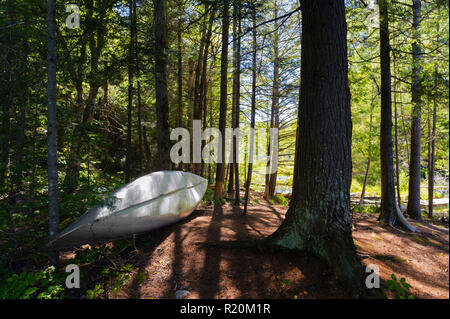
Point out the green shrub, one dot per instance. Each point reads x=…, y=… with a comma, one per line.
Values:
x=43, y=284
x=401, y=288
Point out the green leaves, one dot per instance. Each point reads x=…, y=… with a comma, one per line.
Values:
x=401, y=288
x=26, y=285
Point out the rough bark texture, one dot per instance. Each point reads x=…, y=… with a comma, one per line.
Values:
x=413, y=209
x=220, y=168
x=131, y=70
x=237, y=85
x=162, y=104
x=318, y=219
x=388, y=205
x=252, y=116
x=51, y=129
x=275, y=123
x=235, y=99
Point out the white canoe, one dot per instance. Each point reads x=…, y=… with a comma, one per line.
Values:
x=148, y=203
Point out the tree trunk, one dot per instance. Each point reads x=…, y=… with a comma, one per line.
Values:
x=180, y=69
x=369, y=153
x=220, y=169
x=275, y=108
x=318, y=219
x=431, y=149
x=52, y=130
x=131, y=70
x=235, y=94
x=252, y=116
x=237, y=86
x=162, y=104
x=413, y=209
x=388, y=206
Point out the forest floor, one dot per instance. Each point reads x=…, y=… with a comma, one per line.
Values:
x=169, y=263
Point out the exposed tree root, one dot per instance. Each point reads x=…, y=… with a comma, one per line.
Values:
x=402, y=220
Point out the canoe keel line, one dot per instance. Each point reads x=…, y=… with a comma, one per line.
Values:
x=149, y=202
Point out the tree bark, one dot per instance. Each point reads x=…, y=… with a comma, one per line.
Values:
x=51, y=129
x=413, y=208
x=318, y=219
x=431, y=149
x=275, y=107
x=252, y=116
x=162, y=104
x=220, y=168
x=388, y=206
x=237, y=86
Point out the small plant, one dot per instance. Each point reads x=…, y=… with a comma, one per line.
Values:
x=41, y=285
x=140, y=277
x=209, y=196
x=95, y=293
x=280, y=199
x=401, y=288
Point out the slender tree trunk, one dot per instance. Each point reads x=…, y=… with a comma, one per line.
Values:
x=220, y=169
x=318, y=219
x=252, y=116
x=234, y=96
x=397, y=161
x=180, y=71
x=52, y=130
x=275, y=108
x=139, y=106
x=413, y=208
x=190, y=95
x=148, y=156
x=369, y=155
x=237, y=80
x=162, y=104
x=431, y=149
x=204, y=80
x=131, y=70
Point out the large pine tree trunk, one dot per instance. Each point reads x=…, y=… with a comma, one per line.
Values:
x=162, y=103
x=220, y=168
x=318, y=219
x=413, y=209
x=388, y=206
x=51, y=129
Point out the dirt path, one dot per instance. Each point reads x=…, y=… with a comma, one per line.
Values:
x=171, y=260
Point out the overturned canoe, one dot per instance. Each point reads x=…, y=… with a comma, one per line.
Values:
x=149, y=202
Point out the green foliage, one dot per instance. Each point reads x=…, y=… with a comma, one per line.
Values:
x=141, y=277
x=401, y=288
x=370, y=210
x=43, y=284
x=89, y=255
x=280, y=199
x=209, y=196
x=95, y=293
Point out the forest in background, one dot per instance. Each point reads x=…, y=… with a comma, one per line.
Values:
x=111, y=124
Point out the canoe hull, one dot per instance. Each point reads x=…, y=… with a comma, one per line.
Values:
x=150, y=202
